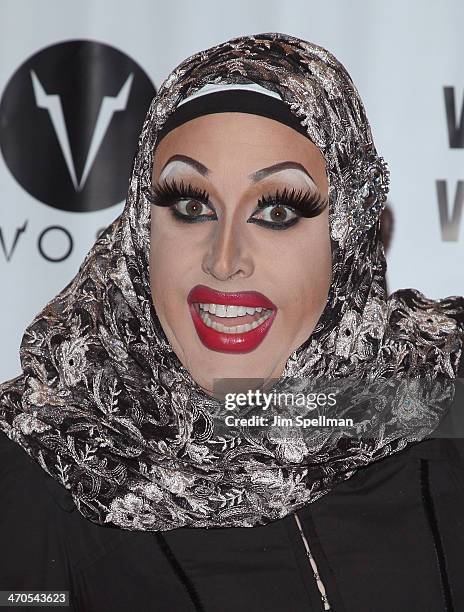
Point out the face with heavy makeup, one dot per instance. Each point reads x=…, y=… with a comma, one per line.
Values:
x=240, y=256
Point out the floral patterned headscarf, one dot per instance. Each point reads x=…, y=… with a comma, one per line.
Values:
x=103, y=403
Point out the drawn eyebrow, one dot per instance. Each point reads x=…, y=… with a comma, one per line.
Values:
x=196, y=165
x=255, y=177
x=259, y=175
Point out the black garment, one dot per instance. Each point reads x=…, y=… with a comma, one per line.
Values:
x=390, y=539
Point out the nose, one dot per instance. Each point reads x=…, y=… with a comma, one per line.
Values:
x=228, y=254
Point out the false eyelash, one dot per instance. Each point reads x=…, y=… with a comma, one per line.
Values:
x=306, y=204
x=168, y=193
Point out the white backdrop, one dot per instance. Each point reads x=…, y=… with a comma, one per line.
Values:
x=401, y=57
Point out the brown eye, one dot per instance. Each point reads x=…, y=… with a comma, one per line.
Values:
x=278, y=213
x=192, y=208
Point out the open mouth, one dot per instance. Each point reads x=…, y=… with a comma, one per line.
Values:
x=232, y=319
x=230, y=322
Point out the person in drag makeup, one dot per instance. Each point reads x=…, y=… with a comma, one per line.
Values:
x=247, y=260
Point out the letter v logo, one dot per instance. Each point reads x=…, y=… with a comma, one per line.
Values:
x=70, y=118
x=109, y=105
x=455, y=124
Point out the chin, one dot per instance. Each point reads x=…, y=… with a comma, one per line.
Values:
x=207, y=366
x=217, y=368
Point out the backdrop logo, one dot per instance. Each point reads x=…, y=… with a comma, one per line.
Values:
x=450, y=209
x=455, y=125
x=70, y=117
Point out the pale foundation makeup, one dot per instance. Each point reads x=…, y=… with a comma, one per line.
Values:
x=235, y=295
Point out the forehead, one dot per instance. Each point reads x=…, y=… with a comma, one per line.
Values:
x=250, y=141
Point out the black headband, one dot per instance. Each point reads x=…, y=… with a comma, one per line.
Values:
x=232, y=101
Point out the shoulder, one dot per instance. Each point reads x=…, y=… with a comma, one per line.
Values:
x=45, y=536
x=20, y=473
x=28, y=522
x=22, y=486
x=458, y=416
x=13, y=461
x=38, y=514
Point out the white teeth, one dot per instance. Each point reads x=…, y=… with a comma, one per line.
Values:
x=233, y=329
x=222, y=310
x=231, y=311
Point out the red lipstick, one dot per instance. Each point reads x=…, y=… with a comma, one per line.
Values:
x=241, y=342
